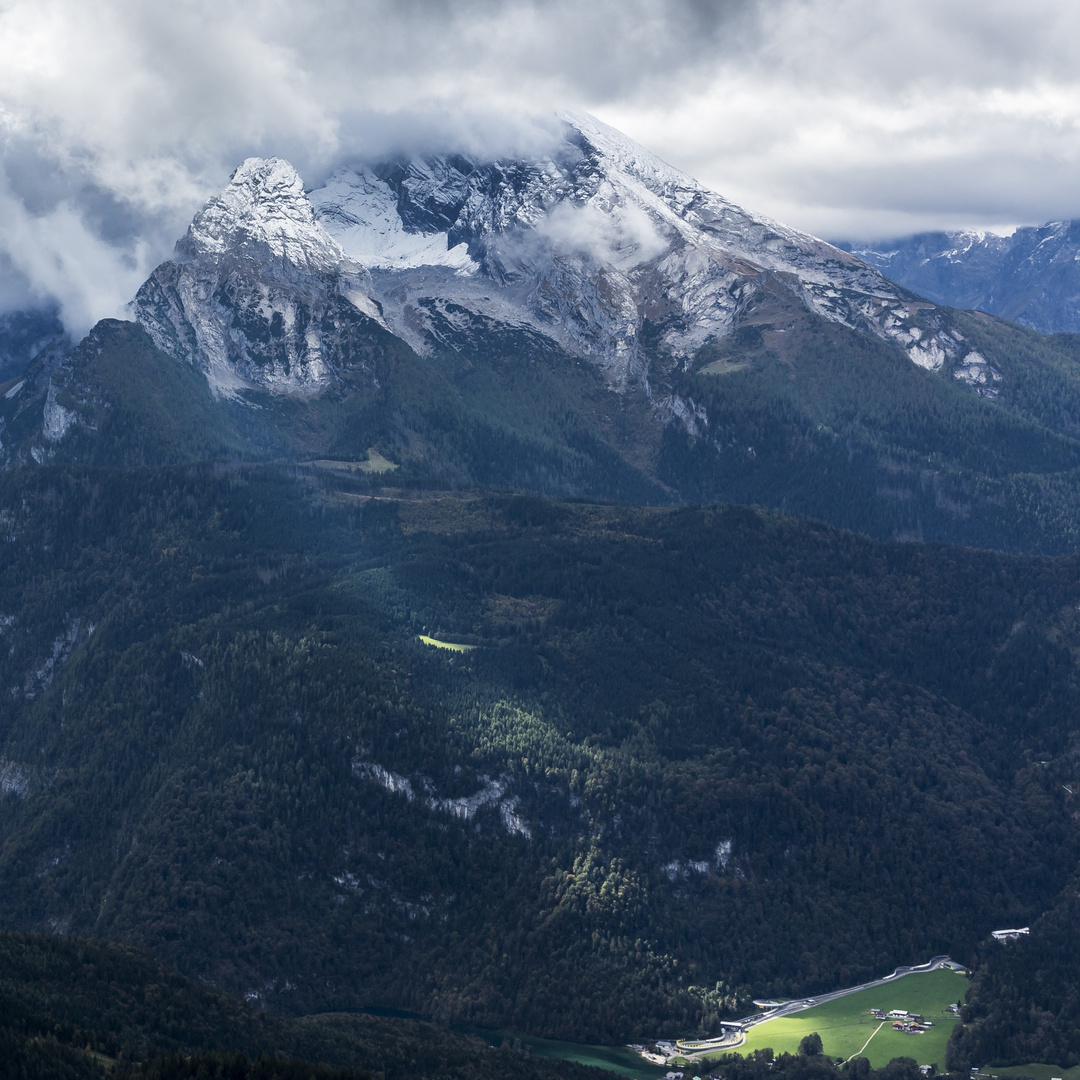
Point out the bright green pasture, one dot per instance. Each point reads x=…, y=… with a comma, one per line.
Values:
x=436, y=643
x=375, y=463
x=845, y=1023
x=1036, y=1072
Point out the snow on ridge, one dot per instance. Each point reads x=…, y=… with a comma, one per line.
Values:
x=360, y=212
x=578, y=245
x=265, y=203
x=628, y=155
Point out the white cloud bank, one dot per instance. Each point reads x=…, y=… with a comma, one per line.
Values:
x=845, y=117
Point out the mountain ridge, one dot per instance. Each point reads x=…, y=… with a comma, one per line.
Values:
x=587, y=321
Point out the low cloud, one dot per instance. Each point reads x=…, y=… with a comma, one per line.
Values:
x=845, y=117
x=625, y=241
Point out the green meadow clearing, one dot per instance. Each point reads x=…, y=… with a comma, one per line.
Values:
x=845, y=1024
x=437, y=644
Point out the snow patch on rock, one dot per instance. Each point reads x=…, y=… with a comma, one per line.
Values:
x=723, y=853
x=492, y=793
x=392, y=781
x=679, y=869
x=360, y=211
x=979, y=374
x=263, y=204
x=465, y=808
x=14, y=779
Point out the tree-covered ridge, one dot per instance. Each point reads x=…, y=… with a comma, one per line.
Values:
x=818, y=421
x=698, y=755
x=1024, y=1002
x=74, y=1008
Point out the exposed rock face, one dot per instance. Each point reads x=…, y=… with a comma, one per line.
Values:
x=597, y=245
x=602, y=246
x=259, y=295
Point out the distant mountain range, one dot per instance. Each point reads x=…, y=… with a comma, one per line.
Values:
x=1031, y=278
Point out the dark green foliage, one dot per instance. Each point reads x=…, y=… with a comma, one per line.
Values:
x=763, y=1065
x=72, y=1008
x=235, y=1066
x=810, y=1045
x=753, y=755
x=845, y=428
x=506, y=409
x=810, y=418
x=1024, y=1000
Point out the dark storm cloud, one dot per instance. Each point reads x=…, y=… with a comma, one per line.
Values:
x=119, y=117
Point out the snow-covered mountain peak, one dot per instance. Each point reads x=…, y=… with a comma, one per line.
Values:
x=264, y=204
x=360, y=210
x=260, y=296
x=585, y=242
x=620, y=151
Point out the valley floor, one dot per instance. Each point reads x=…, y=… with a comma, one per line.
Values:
x=847, y=1023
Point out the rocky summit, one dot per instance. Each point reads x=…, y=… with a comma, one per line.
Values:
x=259, y=294
x=1031, y=277
x=580, y=320
x=598, y=244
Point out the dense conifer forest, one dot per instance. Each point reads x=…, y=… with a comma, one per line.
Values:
x=1024, y=1002
x=87, y=1009
x=693, y=755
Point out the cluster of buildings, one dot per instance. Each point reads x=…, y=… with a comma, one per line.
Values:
x=911, y=1023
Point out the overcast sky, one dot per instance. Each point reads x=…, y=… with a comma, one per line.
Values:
x=847, y=118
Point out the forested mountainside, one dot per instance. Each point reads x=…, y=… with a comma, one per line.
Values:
x=88, y=1009
x=825, y=422
x=304, y=700
x=1024, y=1002
x=694, y=754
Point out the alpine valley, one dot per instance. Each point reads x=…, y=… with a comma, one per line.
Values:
x=396, y=611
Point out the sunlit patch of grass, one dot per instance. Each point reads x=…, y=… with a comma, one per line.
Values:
x=452, y=646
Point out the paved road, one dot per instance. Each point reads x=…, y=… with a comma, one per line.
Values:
x=737, y=1034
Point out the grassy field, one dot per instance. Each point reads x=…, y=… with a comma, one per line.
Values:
x=845, y=1024
x=375, y=463
x=721, y=367
x=436, y=643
